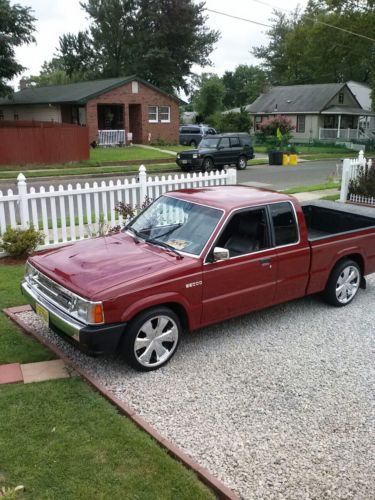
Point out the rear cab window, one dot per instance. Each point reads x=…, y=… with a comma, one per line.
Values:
x=235, y=142
x=284, y=223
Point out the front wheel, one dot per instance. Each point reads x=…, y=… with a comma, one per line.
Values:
x=242, y=163
x=343, y=284
x=152, y=338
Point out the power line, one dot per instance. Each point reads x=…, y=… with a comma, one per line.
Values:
x=318, y=22
x=239, y=18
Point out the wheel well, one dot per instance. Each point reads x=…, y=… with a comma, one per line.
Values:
x=181, y=313
x=358, y=259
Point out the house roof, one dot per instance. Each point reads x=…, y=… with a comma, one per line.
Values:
x=296, y=98
x=340, y=110
x=73, y=93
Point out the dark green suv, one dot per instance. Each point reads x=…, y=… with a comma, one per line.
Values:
x=217, y=151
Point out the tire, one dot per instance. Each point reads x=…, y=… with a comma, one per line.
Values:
x=242, y=163
x=343, y=283
x=208, y=165
x=193, y=144
x=140, y=344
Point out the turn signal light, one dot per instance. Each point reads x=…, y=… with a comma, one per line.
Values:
x=98, y=313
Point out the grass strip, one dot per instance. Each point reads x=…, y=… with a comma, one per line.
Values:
x=62, y=440
x=15, y=346
x=313, y=187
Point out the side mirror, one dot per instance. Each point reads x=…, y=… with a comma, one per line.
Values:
x=220, y=254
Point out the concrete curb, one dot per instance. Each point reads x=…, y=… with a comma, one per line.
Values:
x=220, y=489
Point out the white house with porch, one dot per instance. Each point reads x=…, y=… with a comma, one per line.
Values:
x=326, y=111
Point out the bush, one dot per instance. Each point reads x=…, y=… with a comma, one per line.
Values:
x=364, y=183
x=20, y=242
x=231, y=122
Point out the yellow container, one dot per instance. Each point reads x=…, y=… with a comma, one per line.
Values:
x=285, y=160
x=293, y=159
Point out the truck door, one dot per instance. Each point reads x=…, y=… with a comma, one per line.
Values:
x=247, y=280
x=293, y=252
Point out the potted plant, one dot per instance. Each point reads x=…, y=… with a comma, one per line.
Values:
x=279, y=128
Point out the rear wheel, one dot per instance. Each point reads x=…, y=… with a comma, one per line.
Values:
x=242, y=163
x=207, y=165
x=343, y=284
x=152, y=339
x=193, y=144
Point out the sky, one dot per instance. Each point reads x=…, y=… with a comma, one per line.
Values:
x=55, y=17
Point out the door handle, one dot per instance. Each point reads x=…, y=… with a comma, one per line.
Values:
x=265, y=261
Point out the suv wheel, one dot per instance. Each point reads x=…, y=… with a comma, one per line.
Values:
x=193, y=144
x=242, y=163
x=207, y=165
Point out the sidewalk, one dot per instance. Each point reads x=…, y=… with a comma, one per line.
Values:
x=33, y=372
x=315, y=195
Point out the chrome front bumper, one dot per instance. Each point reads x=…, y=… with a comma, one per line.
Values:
x=57, y=318
x=102, y=339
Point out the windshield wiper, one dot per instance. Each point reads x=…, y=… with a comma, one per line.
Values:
x=154, y=241
x=136, y=233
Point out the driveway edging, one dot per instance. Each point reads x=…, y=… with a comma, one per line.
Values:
x=221, y=490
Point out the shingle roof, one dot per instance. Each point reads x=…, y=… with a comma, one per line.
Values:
x=74, y=93
x=295, y=98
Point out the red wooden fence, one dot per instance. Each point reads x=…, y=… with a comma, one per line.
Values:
x=42, y=142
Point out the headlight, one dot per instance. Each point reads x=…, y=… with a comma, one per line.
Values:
x=30, y=272
x=88, y=312
x=178, y=156
x=195, y=156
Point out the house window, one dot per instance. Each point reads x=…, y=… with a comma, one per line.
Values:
x=165, y=114
x=1, y=114
x=341, y=98
x=301, y=119
x=15, y=116
x=153, y=114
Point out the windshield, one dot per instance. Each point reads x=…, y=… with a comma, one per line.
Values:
x=209, y=142
x=180, y=224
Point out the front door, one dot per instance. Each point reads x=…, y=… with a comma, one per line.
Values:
x=223, y=155
x=247, y=280
x=135, y=123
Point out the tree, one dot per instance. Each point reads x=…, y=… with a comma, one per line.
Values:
x=243, y=85
x=16, y=28
x=231, y=121
x=209, y=99
x=159, y=40
x=305, y=48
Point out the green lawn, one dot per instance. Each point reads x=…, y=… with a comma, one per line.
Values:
x=15, y=346
x=314, y=187
x=61, y=440
x=125, y=154
x=310, y=149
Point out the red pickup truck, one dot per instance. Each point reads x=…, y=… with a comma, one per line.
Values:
x=196, y=257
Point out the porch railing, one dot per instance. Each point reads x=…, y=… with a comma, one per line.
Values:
x=111, y=137
x=345, y=134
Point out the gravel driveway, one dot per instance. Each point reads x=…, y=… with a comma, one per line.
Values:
x=277, y=404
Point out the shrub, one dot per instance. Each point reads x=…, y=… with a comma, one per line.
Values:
x=364, y=183
x=20, y=242
x=269, y=127
x=231, y=122
x=128, y=211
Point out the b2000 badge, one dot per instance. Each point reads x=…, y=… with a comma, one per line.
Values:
x=195, y=283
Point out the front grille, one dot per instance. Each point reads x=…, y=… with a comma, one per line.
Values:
x=53, y=292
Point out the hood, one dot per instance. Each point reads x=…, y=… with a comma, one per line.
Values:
x=91, y=266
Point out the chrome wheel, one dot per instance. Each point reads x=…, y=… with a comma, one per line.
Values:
x=156, y=341
x=347, y=284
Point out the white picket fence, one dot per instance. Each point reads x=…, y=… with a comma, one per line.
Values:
x=350, y=170
x=74, y=213
x=362, y=200
x=111, y=137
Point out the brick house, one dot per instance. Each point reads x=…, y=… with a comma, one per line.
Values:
x=126, y=103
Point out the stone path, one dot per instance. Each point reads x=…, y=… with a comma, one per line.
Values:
x=33, y=372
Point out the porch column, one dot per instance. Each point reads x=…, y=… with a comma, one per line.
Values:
x=358, y=120
x=339, y=127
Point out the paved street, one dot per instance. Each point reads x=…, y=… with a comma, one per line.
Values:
x=272, y=177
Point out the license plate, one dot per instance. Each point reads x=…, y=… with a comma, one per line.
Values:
x=42, y=313
x=184, y=162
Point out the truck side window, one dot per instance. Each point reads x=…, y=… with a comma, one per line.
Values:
x=246, y=232
x=284, y=223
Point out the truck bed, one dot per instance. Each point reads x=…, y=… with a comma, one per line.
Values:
x=324, y=219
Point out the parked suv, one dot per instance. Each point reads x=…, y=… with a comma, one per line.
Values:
x=192, y=135
x=217, y=151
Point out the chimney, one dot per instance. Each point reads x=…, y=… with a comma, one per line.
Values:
x=23, y=83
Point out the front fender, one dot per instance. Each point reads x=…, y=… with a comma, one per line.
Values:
x=192, y=312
